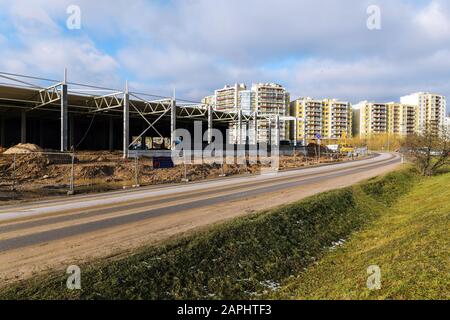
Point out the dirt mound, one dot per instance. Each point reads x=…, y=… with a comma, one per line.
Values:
x=91, y=172
x=23, y=148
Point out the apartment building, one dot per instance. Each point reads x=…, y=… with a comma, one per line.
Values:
x=229, y=98
x=373, y=118
x=402, y=119
x=309, y=112
x=330, y=118
x=431, y=110
x=268, y=99
x=336, y=119
x=447, y=126
x=209, y=100
x=271, y=100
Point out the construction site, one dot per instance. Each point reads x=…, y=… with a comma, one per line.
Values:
x=58, y=136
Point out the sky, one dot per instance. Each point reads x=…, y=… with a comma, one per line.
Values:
x=317, y=48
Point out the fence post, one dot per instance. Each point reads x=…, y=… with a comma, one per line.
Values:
x=136, y=171
x=72, y=174
x=14, y=173
x=185, y=179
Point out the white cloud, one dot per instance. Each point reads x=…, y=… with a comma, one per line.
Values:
x=319, y=48
x=434, y=20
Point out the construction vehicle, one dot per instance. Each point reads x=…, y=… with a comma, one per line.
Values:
x=344, y=146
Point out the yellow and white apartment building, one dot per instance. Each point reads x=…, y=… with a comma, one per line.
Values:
x=330, y=118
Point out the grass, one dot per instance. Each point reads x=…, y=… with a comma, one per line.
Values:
x=250, y=257
x=410, y=243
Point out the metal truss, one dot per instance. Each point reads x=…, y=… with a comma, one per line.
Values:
x=192, y=112
x=107, y=102
x=145, y=108
x=49, y=95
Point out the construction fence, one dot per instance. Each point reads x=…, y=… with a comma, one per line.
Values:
x=39, y=174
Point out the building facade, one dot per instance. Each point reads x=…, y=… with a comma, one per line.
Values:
x=373, y=118
x=271, y=100
x=329, y=118
x=228, y=98
x=308, y=112
x=337, y=119
x=431, y=111
x=268, y=100
x=402, y=119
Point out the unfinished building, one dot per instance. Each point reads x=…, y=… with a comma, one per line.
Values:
x=62, y=115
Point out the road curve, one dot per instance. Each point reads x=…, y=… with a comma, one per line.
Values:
x=52, y=232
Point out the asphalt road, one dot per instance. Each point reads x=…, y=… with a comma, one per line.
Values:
x=47, y=221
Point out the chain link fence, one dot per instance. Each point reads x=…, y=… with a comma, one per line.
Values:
x=42, y=174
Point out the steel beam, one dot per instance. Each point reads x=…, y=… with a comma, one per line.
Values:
x=255, y=123
x=295, y=131
x=239, y=135
x=64, y=118
x=41, y=133
x=126, y=121
x=210, y=124
x=173, y=121
x=2, y=131
x=111, y=134
x=71, y=131
x=277, y=128
x=23, y=127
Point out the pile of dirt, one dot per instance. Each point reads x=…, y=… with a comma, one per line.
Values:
x=93, y=172
x=30, y=166
x=24, y=148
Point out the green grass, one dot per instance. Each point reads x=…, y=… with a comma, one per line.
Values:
x=244, y=258
x=410, y=242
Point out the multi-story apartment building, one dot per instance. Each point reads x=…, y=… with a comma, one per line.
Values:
x=373, y=118
x=309, y=113
x=330, y=118
x=431, y=111
x=402, y=119
x=447, y=126
x=247, y=101
x=336, y=119
x=269, y=100
x=229, y=98
x=209, y=100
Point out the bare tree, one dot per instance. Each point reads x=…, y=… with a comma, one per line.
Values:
x=429, y=151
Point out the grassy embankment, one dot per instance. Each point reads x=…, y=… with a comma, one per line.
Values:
x=410, y=242
x=249, y=257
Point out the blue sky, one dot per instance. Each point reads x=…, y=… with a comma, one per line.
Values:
x=316, y=48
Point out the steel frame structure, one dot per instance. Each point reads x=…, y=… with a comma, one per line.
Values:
x=68, y=97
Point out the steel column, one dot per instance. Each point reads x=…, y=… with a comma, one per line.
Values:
x=255, y=123
x=126, y=121
x=2, y=131
x=173, y=121
x=210, y=124
x=239, y=136
x=295, y=131
x=23, y=127
x=71, y=131
x=277, y=127
x=111, y=134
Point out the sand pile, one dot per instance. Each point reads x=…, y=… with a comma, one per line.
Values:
x=24, y=148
